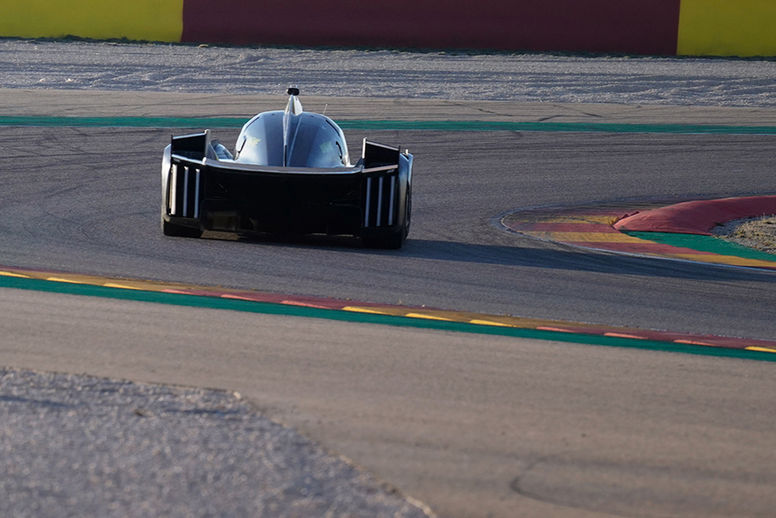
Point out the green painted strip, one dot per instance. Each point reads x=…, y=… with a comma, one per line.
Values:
x=347, y=316
x=711, y=244
x=377, y=125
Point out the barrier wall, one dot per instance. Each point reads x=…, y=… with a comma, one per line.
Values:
x=150, y=20
x=727, y=28
x=652, y=27
x=628, y=26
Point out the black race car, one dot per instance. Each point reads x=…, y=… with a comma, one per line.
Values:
x=290, y=173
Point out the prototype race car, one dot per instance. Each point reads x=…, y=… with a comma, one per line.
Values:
x=290, y=174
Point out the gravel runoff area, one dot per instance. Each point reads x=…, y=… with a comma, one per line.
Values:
x=85, y=446
x=388, y=73
x=759, y=233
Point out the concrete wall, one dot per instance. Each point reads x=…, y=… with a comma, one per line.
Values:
x=656, y=27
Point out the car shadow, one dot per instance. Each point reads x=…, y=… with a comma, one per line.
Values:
x=564, y=257
x=557, y=257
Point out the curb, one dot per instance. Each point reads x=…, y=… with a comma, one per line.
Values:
x=697, y=217
x=386, y=314
x=613, y=229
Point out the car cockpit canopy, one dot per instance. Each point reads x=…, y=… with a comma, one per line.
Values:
x=292, y=138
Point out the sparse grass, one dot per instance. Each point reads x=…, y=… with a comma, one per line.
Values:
x=759, y=233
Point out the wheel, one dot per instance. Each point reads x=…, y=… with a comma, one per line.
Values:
x=394, y=239
x=387, y=240
x=171, y=229
x=408, y=211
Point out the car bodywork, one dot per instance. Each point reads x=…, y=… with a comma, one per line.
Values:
x=290, y=173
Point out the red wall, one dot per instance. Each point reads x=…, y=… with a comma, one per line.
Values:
x=613, y=26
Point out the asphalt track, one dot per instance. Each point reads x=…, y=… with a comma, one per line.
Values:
x=470, y=424
x=73, y=205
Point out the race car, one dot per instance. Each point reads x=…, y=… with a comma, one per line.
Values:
x=289, y=173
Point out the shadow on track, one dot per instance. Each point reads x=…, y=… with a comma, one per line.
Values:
x=560, y=257
x=569, y=258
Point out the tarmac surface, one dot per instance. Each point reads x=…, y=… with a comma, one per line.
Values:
x=72, y=205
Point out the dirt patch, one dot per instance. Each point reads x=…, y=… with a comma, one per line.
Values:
x=759, y=233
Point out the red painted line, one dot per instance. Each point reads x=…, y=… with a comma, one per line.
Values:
x=692, y=342
x=246, y=295
x=271, y=298
x=309, y=304
x=237, y=297
x=625, y=335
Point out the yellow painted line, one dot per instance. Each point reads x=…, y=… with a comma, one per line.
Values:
x=367, y=310
x=625, y=335
x=761, y=349
x=489, y=323
x=12, y=274
x=121, y=286
x=62, y=279
x=427, y=316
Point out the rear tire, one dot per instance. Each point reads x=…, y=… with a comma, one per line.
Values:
x=387, y=240
x=171, y=229
x=393, y=240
